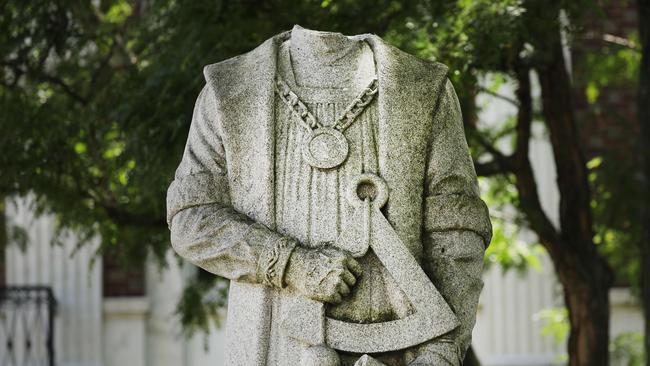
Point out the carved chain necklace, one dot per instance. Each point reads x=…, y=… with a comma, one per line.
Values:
x=325, y=147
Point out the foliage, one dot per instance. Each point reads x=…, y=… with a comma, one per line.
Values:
x=203, y=296
x=511, y=252
x=614, y=178
x=507, y=248
x=615, y=64
x=626, y=349
x=616, y=209
x=555, y=323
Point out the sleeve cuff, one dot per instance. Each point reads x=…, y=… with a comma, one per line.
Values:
x=273, y=260
x=458, y=212
x=196, y=189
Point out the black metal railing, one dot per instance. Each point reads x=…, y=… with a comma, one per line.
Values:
x=27, y=326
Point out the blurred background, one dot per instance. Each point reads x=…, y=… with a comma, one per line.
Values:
x=96, y=99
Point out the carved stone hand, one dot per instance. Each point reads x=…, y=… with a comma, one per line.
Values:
x=323, y=274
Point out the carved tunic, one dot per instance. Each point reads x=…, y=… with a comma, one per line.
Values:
x=310, y=202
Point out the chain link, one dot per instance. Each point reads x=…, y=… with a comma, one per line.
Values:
x=308, y=120
x=297, y=106
x=357, y=106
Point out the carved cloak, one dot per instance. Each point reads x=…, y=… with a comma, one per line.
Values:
x=410, y=90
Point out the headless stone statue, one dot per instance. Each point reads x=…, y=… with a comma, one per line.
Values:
x=329, y=179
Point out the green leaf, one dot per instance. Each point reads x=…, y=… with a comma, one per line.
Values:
x=119, y=12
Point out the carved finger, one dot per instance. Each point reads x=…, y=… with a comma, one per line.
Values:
x=354, y=266
x=348, y=277
x=340, y=260
x=335, y=298
x=343, y=288
x=330, y=284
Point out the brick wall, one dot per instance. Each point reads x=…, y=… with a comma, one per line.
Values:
x=120, y=280
x=608, y=125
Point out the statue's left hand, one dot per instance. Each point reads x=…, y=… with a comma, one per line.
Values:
x=323, y=274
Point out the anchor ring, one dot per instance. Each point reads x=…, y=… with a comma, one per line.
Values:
x=375, y=182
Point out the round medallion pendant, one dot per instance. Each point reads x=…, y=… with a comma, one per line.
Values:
x=325, y=148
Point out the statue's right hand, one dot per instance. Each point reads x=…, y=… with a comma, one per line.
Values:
x=324, y=274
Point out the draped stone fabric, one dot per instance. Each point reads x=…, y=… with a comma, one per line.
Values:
x=235, y=207
x=311, y=204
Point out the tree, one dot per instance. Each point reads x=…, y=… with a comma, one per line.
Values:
x=537, y=45
x=643, y=111
x=97, y=99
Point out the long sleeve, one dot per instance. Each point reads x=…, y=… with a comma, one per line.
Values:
x=205, y=229
x=457, y=228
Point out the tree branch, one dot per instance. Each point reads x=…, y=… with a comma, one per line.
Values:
x=126, y=218
x=489, y=147
x=117, y=214
x=65, y=87
x=557, y=108
x=500, y=163
x=485, y=90
x=526, y=186
x=490, y=168
x=96, y=74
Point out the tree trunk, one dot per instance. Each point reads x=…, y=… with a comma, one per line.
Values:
x=643, y=114
x=587, y=299
x=584, y=274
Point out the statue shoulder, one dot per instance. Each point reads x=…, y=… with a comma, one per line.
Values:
x=226, y=75
x=409, y=67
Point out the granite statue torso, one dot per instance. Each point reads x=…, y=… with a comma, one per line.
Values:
x=342, y=236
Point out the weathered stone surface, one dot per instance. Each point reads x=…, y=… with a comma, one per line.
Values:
x=329, y=178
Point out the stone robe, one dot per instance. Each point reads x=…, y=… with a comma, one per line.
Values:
x=221, y=205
